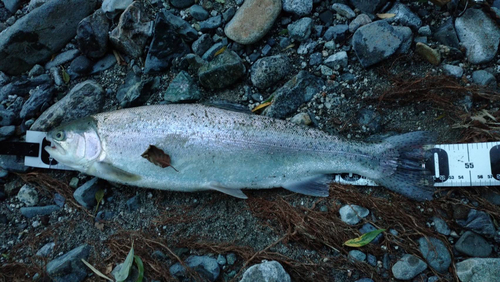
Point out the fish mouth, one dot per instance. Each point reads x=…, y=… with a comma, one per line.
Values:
x=54, y=148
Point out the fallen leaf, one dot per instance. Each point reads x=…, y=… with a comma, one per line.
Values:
x=261, y=106
x=363, y=239
x=157, y=157
x=386, y=16
x=124, y=271
x=65, y=75
x=221, y=50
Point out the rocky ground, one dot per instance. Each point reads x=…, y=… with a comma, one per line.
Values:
x=357, y=69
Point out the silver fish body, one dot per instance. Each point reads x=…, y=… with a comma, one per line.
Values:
x=215, y=149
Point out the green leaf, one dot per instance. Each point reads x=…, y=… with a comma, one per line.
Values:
x=98, y=196
x=363, y=239
x=284, y=31
x=127, y=264
x=65, y=75
x=140, y=267
x=96, y=271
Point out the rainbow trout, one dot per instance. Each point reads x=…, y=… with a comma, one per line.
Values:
x=198, y=147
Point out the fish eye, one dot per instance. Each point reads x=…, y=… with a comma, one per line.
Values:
x=60, y=136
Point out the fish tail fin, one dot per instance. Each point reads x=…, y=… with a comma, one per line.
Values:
x=402, y=168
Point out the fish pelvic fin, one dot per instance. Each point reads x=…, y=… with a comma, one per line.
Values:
x=317, y=186
x=402, y=169
x=229, y=191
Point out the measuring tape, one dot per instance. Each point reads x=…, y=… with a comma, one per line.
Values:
x=453, y=165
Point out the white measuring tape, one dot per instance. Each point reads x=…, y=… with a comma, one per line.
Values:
x=454, y=165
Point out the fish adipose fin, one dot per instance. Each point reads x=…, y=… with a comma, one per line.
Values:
x=230, y=191
x=402, y=166
x=314, y=186
x=114, y=172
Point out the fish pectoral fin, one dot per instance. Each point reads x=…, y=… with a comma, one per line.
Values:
x=313, y=186
x=114, y=172
x=230, y=191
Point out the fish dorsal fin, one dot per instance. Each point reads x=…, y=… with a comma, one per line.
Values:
x=313, y=186
x=105, y=168
x=230, y=191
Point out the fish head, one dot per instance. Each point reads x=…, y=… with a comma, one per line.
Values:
x=75, y=144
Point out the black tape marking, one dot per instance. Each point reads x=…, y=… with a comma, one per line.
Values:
x=20, y=149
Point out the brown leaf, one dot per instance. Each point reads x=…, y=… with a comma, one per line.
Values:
x=157, y=157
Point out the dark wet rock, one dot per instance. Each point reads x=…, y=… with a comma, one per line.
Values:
x=408, y=267
x=92, y=35
x=441, y=226
x=12, y=5
x=69, y=267
x=367, y=227
x=425, y=31
x=104, y=216
x=210, y=53
x=430, y=55
x=371, y=259
x=298, y=90
x=337, y=33
x=198, y=13
x=43, y=31
x=406, y=36
x=315, y=59
x=404, y=16
x=479, y=222
x=370, y=119
x=202, y=44
x=344, y=10
x=252, y=20
x=364, y=280
x=6, y=117
x=81, y=65
x=181, y=27
x=231, y=258
x=191, y=63
x=133, y=203
x=13, y=163
x=211, y=24
x=181, y=4
x=479, y=34
x=478, y=269
x=28, y=195
x=46, y=250
x=206, y=266
x=85, y=194
x=359, y=21
x=39, y=100
x=84, y=99
x=266, y=271
x=268, y=71
x=452, y=70
x=301, y=29
x=36, y=70
x=182, y=88
x=21, y=86
x=222, y=71
x=298, y=7
x=4, y=79
x=31, y=212
x=62, y=58
x=59, y=200
x=352, y=214
x=103, y=64
x=375, y=42
x=326, y=17
x=229, y=14
x=337, y=61
x=133, y=30
x=484, y=78
x=473, y=245
x=357, y=255
x=436, y=253
x=446, y=34
x=113, y=7
x=7, y=131
x=136, y=90
x=368, y=6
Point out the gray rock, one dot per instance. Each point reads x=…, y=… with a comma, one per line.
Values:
x=408, y=267
x=46, y=250
x=406, y=36
x=484, y=78
x=85, y=194
x=479, y=222
x=206, y=266
x=268, y=71
x=181, y=4
x=59, y=200
x=81, y=65
x=478, y=269
x=132, y=31
x=357, y=255
x=211, y=24
x=358, y=22
x=221, y=260
x=54, y=72
x=13, y=163
x=298, y=7
x=364, y=280
x=344, y=10
x=182, y=89
x=368, y=6
x=6, y=117
x=452, y=70
x=425, y=30
x=92, y=35
x=337, y=60
x=133, y=203
x=181, y=27
x=301, y=29
x=446, y=34
x=222, y=71
x=404, y=16
x=84, y=99
x=39, y=99
x=441, y=226
x=473, y=245
x=371, y=259
x=22, y=87
x=192, y=63
x=307, y=47
x=480, y=40
x=370, y=119
x=337, y=32
x=7, y=131
x=62, y=58
x=436, y=253
x=36, y=70
x=35, y=4
x=315, y=59
x=298, y=90
x=202, y=44
x=301, y=118
x=253, y=20
x=231, y=258
x=135, y=91
x=367, y=227
x=31, y=212
x=266, y=271
x=4, y=79
x=69, y=266
x=115, y=6
x=375, y=42
x=492, y=197
x=198, y=13
x=352, y=214
x=229, y=14
x=43, y=31
x=326, y=71
x=28, y=195
x=210, y=53
x=12, y=5
x=104, y=64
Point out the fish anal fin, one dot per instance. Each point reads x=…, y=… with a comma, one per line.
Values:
x=317, y=186
x=112, y=172
x=229, y=191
